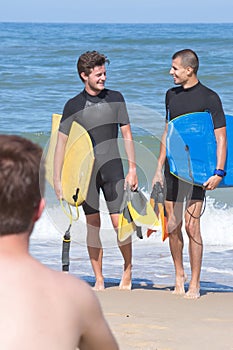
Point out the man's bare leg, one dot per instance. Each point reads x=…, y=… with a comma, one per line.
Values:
x=192, y=225
x=126, y=251
x=95, y=249
x=176, y=243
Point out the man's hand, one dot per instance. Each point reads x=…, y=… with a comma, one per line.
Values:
x=212, y=182
x=158, y=177
x=132, y=180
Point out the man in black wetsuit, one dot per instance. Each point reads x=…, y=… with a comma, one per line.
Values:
x=101, y=112
x=190, y=96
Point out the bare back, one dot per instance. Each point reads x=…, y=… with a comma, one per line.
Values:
x=46, y=309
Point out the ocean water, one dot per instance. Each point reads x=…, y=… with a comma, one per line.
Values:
x=38, y=75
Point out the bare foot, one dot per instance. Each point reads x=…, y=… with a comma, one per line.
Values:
x=123, y=286
x=99, y=285
x=126, y=282
x=179, y=287
x=193, y=293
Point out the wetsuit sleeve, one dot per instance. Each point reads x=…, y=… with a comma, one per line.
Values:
x=122, y=113
x=167, y=97
x=70, y=112
x=216, y=110
x=66, y=120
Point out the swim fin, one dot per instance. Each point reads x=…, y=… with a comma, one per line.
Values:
x=136, y=212
x=157, y=202
x=126, y=226
x=141, y=210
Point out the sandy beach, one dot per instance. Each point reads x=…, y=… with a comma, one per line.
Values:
x=152, y=318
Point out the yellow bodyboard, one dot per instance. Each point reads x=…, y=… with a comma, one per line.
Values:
x=78, y=161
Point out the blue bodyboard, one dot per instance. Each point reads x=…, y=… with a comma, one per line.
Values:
x=191, y=148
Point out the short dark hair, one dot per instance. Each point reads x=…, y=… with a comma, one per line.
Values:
x=189, y=58
x=89, y=60
x=22, y=179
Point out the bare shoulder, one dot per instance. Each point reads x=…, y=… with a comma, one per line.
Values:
x=70, y=283
x=79, y=292
x=63, y=284
x=85, y=302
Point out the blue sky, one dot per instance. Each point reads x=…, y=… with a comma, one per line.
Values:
x=118, y=11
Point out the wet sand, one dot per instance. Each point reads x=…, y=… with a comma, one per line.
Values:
x=155, y=319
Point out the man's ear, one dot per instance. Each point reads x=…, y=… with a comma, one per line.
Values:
x=84, y=76
x=39, y=210
x=189, y=71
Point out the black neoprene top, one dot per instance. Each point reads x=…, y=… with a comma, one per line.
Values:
x=198, y=98
x=100, y=115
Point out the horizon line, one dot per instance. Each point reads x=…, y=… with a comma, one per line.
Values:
x=87, y=22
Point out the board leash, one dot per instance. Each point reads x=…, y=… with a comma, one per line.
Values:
x=67, y=236
x=191, y=176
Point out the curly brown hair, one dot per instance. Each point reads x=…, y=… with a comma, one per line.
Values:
x=89, y=60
